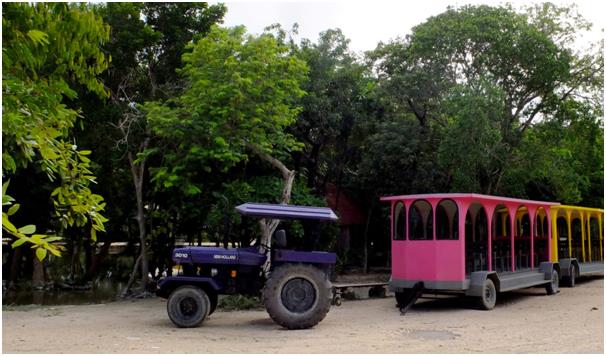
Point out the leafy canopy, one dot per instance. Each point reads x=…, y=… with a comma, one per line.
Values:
x=47, y=49
x=240, y=96
x=477, y=79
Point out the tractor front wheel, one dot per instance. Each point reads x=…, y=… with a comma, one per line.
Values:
x=188, y=306
x=297, y=296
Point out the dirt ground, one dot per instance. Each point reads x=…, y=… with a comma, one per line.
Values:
x=526, y=321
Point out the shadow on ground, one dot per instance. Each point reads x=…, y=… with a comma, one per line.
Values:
x=431, y=302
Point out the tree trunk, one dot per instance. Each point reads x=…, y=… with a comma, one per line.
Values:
x=75, y=254
x=138, y=181
x=38, y=275
x=138, y=171
x=97, y=259
x=365, y=257
x=89, y=251
x=15, y=267
x=268, y=226
x=131, y=280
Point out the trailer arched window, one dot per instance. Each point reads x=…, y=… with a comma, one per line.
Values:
x=594, y=236
x=524, y=226
x=576, y=240
x=399, y=224
x=562, y=231
x=420, y=221
x=541, y=237
x=447, y=220
x=501, y=239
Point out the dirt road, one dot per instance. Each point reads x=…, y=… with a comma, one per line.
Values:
x=526, y=321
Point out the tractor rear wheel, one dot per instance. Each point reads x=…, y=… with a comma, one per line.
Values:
x=297, y=296
x=188, y=306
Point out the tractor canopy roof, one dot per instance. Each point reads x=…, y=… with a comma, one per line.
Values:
x=282, y=211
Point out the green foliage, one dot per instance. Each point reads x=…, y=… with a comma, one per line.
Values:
x=42, y=243
x=238, y=302
x=178, y=24
x=562, y=159
x=222, y=217
x=472, y=147
x=482, y=82
x=388, y=159
x=338, y=90
x=48, y=49
x=478, y=98
x=241, y=92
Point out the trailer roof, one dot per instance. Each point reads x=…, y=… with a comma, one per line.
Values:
x=479, y=197
x=580, y=208
x=282, y=211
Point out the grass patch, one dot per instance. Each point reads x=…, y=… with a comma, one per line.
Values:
x=238, y=302
x=21, y=308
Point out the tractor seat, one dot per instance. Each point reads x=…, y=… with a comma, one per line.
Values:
x=280, y=239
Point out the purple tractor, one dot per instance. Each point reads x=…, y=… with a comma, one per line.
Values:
x=294, y=286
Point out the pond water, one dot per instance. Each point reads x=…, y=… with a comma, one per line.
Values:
x=101, y=292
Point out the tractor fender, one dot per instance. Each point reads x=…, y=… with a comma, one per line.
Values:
x=322, y=260
x=476, y=282
x=308, y=257
x=168, y=284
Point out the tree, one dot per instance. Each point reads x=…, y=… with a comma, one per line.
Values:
x=336, y=113
x=562, y=159
x=472, y=143
x=48, y=49
x=178, y=24
x=147, y=41
x=337, y=93
x=239, y=100
x=522, y=60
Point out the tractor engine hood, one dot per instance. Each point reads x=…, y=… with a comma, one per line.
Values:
x=218, y=255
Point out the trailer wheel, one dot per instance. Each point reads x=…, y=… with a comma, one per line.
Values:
x=488, y=299
x=297, y=296
x=570, y=280
x=188, y=306
x=552, y=287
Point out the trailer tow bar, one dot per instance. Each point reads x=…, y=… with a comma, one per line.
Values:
x=416, y=292
x=339, y=288
x=336, y=297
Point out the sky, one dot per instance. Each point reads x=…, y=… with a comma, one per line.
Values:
x=366, y=23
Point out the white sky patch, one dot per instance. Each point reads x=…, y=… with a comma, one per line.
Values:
x=366, y=23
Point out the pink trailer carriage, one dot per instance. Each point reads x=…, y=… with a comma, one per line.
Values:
x=474, y=244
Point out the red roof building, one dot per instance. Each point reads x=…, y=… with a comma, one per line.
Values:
x=348, y=211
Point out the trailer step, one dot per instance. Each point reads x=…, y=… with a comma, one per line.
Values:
x=516, y=280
